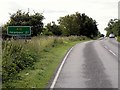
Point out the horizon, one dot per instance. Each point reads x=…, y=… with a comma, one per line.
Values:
x=101, y=11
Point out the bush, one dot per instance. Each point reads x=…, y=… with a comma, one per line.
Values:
x=15, y=59
x=118, y=38
x=18, y=54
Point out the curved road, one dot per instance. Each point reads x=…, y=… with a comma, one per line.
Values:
x=91, y=64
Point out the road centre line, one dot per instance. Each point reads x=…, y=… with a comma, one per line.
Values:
x=110, y=50
x=106, y=47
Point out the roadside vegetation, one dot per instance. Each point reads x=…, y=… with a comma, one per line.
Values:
x=74, y=24
x=118, y=38
x=113, y=27
x=31, y=63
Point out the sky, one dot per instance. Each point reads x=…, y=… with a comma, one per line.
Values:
x=100, y=10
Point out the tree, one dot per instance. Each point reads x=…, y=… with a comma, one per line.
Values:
x=113, y=27
x=26, y=19
x=54, y=29
x=77, y=24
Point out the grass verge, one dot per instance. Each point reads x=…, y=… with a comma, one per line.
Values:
x=118, y=38
x=41, y=71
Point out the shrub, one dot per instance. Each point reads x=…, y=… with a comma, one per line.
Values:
x=118, y=38
x=15, y=58
x=18, y=54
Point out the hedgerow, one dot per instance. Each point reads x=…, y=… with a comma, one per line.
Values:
x=17, y=55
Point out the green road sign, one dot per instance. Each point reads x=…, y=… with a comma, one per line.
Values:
x=19, y=30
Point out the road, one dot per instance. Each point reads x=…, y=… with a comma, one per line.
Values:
x=91, y=64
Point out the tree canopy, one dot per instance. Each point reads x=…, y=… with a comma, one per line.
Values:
x=74, y=24
x=78, y=24
x=25, y=19
x=52, y=29
x=113, y=27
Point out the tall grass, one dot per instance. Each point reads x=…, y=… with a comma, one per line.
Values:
x=18, y=54
x=118, y=38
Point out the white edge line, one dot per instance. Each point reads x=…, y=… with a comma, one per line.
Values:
x=59, y=70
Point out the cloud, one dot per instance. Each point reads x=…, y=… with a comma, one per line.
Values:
x=54, y=11
x=100, y=10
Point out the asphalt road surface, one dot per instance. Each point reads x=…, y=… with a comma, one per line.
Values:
x=91, y=64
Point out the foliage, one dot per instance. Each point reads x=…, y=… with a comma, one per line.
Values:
x=102, y=35
x=77, y=24
x=74, y=24
x=118, y=38
x=19, y=55
x=46, y=32
x=53, y=29
x=25, y=19
x=39, y=73
x=15, y=58
x=113, y=27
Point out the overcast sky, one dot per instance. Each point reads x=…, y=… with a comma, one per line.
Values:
x=100, y=10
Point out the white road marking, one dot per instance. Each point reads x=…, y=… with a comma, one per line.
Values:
x=112, y=52
x=106, y=47
x=59, y=70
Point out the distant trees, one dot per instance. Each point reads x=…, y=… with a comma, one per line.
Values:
x=52, y=29
x=25, y=19
x=102, y=35
x=113, y=27
x=78, y=24
x=74, y=24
